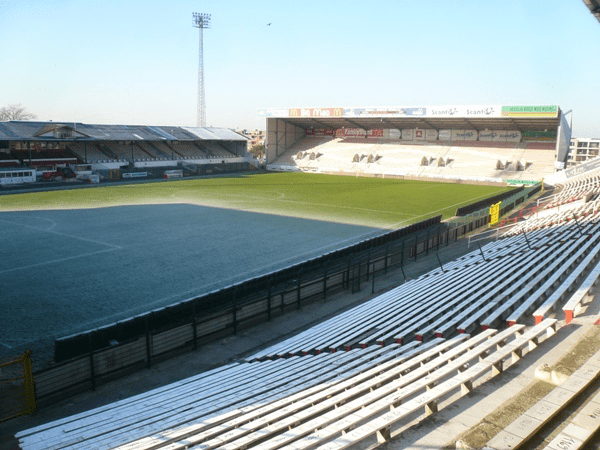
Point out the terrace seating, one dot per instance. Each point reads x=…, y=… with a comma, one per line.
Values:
x=543, y=277
x=471, y=159
x=10, y=163
x=304, y=392
x=576, y=188
x=217, y=398
x=376, y=420
x=92, y=153
x=369, y=385
x=541, y=145
x=550, y=303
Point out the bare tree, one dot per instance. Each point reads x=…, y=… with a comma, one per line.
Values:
x=15, y=112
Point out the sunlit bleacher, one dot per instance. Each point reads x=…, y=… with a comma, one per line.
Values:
x=577, y=188
x=457, y=159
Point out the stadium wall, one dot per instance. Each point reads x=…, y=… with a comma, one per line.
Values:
x=453, y=180
x=281, y=135
x=469, y=209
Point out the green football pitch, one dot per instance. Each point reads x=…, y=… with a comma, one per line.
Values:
x=374, y=202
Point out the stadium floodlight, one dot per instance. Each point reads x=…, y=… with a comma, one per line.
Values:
x=201, y=21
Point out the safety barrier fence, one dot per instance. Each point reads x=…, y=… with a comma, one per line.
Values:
x=17, y=395
x=486, y=203
x=507, y=205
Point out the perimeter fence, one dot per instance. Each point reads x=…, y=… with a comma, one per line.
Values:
x=482, y=216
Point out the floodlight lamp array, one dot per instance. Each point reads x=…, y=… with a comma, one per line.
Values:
x=201, y=20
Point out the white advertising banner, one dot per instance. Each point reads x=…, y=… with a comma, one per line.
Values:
x=464, y=135
x=394, y=133
x=488, y=135
x=445, y=135
x=465, y=111
x=500, y=136
x=407, y=134
x=508, y=136
x=458, y=111
x=431, y=135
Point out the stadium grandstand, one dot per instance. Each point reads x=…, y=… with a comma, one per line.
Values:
x=364, y=377
x=114, y=147
x=594, y=7
x=485, y=143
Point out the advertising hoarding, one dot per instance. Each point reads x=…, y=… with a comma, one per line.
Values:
x=539, y=135
x=530, y=111
x=464, y=135
x=393, y=133
x=315, y=112
x=407, y=134
x=456, y=111
x=431, y=135
x=500, y=136
x=445, y=135
x=419, y=135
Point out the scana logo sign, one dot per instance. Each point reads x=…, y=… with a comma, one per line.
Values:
x=444, y=112
x=480, y=112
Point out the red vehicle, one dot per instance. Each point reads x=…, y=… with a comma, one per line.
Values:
x=58, y=174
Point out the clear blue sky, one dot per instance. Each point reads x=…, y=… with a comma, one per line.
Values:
x=135, y=62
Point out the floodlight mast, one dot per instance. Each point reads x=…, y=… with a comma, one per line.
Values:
x=201, y=21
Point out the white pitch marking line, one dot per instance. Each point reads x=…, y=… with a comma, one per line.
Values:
x=62, y=234
x=58, y=260
x=6, y=345
x=40, y=218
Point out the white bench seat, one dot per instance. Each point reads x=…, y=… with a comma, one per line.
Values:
x=550, y=303
x=571, y=264
x=541, y=273
x=370, y=387
x=380, y=427
x=197, y=432
x=570, y=308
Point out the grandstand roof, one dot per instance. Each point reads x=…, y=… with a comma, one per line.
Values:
x=594, y=7
x=31, y=131
x=497, y=117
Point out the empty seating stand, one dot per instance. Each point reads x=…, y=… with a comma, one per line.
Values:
x=576, y=188
x=269, y=404
x=223, y=393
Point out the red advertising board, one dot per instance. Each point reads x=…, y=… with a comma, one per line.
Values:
x=316, y=112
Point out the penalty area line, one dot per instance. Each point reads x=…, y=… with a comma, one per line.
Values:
x=115, y=247
x=58, y=260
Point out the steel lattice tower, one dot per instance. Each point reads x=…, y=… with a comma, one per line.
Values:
x=201, y=21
